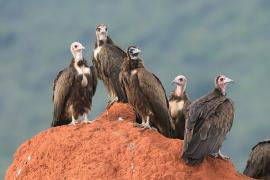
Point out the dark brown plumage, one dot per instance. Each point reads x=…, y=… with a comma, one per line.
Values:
x=145, y=93
x=210, y=119
x=258, y=164
x=179, y=103
x=108, y=59
x=73, y=90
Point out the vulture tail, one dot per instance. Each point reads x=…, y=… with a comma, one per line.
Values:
x=191, y=161
x=118, y=90
x=57, y=122
x=163, y=121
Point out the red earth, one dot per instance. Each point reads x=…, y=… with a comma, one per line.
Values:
x=110, y=148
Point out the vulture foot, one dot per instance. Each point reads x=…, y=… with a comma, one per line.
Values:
x=74, y=121
x=111, y=101
x=138, y=125
x=220, y=155
x=86, y=121
x=147, y=126
x=144, y=126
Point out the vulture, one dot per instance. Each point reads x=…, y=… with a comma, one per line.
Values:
x=210, y=119
x=108, y=59
x=145, y=93
x=179, y=103
x=258, y=164
x=73, y=89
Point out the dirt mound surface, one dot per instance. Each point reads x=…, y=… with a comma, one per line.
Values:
x=109, y=148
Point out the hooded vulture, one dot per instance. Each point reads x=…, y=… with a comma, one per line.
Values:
x=108, y=59
x=210, y=119
x=73, y=89
x=179, y=103
x=258, y=164
x=145, y=93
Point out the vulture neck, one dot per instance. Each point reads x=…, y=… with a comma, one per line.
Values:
x=134, y=64
x=102, y=42
x=220, y=90
x=179, y=91
x=78, y=57
x=133, y=57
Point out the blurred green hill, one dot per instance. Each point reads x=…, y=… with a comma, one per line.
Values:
x=197, y=38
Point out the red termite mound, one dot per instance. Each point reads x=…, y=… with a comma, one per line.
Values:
x=110, y=148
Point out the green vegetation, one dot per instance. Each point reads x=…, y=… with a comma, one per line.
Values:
x=197, y=38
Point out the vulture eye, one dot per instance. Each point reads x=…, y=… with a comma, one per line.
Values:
x=221, y=79
x=181, y=79
x=76, y=46
x=98, y=29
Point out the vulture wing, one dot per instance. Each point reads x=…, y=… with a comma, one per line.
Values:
x=259, y=160
x=164, y=92
x=93, y=79
x=155, y=94
x=61, y=89
x=210, y=120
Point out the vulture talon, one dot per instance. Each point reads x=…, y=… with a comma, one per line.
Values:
x=73, y=123
x=86, y=122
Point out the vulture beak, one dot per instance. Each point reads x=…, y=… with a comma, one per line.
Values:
x=103, y=30
x=228, y=80
x=82, y=47
x=102, y=35
x=174, y=81
x=136, y=51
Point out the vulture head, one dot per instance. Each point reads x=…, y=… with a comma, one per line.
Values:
x=221, y=82
x=133, y=52
x=76, y=50
x=102, y=32
x=181, y=82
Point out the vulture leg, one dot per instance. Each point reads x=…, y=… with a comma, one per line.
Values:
x=147, y=124
x=222, y=156
x=74, y=121
x=85, y=118
x=142, y=125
